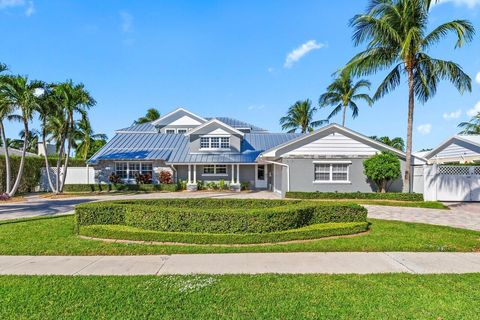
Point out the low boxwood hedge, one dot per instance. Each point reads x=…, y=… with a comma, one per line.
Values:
x=216, y=215
x=314, y=231
x=119, y=187
x=356, y=195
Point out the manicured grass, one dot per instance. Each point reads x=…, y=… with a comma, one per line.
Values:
x=314, y=231
x=56, y=236
x=388, y=296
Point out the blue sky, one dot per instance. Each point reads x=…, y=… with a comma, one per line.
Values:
x=245, y=59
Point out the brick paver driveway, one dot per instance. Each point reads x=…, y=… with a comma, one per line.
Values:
x=460, y=215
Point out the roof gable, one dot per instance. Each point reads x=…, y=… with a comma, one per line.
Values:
x=179, y=116
x=457, y=146
x=214, y=125
x=331, y=140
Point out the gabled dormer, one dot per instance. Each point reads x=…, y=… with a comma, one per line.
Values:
x=179, y=121
x=215, y=136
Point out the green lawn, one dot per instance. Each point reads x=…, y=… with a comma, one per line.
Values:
x=389, y=296
x=55, y=236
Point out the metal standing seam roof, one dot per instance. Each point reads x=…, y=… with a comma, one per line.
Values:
x=174, y=148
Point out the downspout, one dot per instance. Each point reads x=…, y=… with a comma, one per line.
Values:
x=288, y=171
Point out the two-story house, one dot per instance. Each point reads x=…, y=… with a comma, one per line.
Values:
x=194, y=149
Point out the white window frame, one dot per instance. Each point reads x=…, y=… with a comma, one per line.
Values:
x=130, y=177
x=215, y=170
x=330, y=180
x=210, y=148
x=182, y=131
x=170, y=131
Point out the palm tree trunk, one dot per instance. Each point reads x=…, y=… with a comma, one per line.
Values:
x=59, y=163
x=67, y=157
x=8, y=168
x=47, y=165
x=344, y=115
x=22, y=161
x=411, y=106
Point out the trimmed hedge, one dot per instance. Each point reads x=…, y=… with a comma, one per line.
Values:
x=120, y=187
x=216, y=215
x=356, y=195
x=314, y=231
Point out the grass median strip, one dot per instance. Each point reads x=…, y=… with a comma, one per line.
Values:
x=385, y=296
x=56, y=236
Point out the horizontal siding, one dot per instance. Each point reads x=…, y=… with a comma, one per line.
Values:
x=334, y=144
x=454, y=150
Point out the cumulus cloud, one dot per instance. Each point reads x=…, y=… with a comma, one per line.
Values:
x=424, y=128
x=27, y=5
x=475, y=110
x=127, y=21
x=452, y=115
x=477, y=78
x=469, y=3
x=301, y=51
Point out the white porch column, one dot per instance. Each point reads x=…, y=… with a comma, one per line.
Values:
x=194, y=173
x=238, y=174
x=233, y=174
x=189, y=174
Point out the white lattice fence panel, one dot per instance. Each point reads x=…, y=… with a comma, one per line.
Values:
x=454, y=170
x=476, y=171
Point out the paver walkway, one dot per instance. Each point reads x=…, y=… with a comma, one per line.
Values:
x=460, y=215
x=244, y=263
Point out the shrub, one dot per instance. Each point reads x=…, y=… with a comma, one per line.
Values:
x=217, y=215
x=143, y=178
x=245, y=185
x=355, y=195
x=182, y=184
x=382, y=168
x=165, y=177
x=114, y=178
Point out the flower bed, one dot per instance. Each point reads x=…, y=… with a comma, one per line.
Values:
x=180, y=219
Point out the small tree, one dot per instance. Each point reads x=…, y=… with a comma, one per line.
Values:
x=382, y=168
x=165, y=177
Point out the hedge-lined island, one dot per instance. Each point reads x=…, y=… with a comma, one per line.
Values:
x=218, y=221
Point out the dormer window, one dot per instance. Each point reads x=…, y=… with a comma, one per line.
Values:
x=182, y=131
x=170, y=131
x=215, y=143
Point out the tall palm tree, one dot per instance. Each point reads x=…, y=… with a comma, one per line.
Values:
x=343, y=93
x=300, y=116
x=74, y=100
x=33, y=139
x=472, y=126
x=21, y=94
x=396, y=35
x=84, y=138
x=151, y=115
x=397, y=142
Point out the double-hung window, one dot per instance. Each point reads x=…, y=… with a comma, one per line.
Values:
x=170, y=131
x=128, y=170
x=215, y=169
x=213, y=143
x=182, y=131
x=331, y=172
x=121, y=169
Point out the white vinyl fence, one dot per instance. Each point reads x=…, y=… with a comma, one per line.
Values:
x=451, y=183
x=75, y=175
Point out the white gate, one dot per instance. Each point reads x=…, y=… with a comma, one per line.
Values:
x=452, y=183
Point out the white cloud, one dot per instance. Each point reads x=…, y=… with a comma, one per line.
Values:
x=28, y=5
x=302, y=50
x=477, y=78
x=424, y=128
x=256, y=107
x=475, y=110
x=127, y=21
x=469, y=3
x=452, y=115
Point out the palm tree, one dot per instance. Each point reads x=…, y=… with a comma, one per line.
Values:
x=151, y=115
x=85, y=138
x=472, y=126
x=343, y=93
x=396, y=143
x=300, y=116
x=33, y=138
x=396, y=35
x=74, y=100
x=6, y=109
x=21, y=95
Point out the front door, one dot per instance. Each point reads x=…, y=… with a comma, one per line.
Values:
x=261, y=176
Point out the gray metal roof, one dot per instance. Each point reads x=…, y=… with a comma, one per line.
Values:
x=237, y=124
x=16, y=152
x=144, y=127
x=174, y=148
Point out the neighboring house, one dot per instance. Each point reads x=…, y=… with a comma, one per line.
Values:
x=194, y=148
x=16, y=152
x=457, y=149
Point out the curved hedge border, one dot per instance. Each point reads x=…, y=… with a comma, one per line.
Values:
x=356, y=195
x=216, y=216
x=314, y=231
